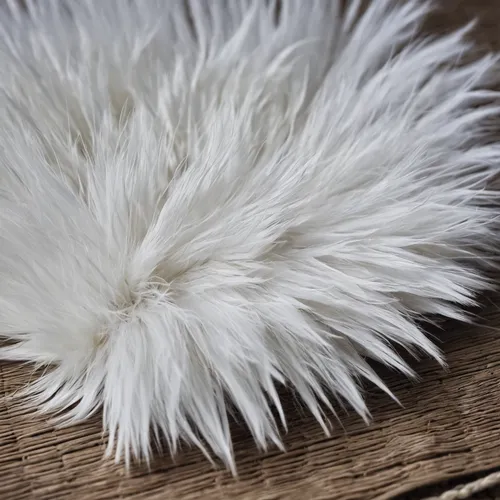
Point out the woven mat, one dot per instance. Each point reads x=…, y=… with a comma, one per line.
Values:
x=449, y=426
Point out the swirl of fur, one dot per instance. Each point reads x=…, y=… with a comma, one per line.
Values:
x=200, y=201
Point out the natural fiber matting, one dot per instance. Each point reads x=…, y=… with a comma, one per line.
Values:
x=449, y=426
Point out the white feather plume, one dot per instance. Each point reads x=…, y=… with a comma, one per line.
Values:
x=200, y=201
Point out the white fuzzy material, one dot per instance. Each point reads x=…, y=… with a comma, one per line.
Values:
x=200, y=204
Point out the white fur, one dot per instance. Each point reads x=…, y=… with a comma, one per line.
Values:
x=188, y=220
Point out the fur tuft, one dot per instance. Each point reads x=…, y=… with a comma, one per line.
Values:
x=200, y=201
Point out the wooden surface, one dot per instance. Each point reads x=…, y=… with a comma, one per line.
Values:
x=449, y=425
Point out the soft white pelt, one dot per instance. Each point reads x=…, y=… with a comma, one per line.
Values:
x=201, y=201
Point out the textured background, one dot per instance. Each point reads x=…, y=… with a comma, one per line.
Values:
x=449, y=426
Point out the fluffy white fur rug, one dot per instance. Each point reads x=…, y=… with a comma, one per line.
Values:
x=200, y=203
